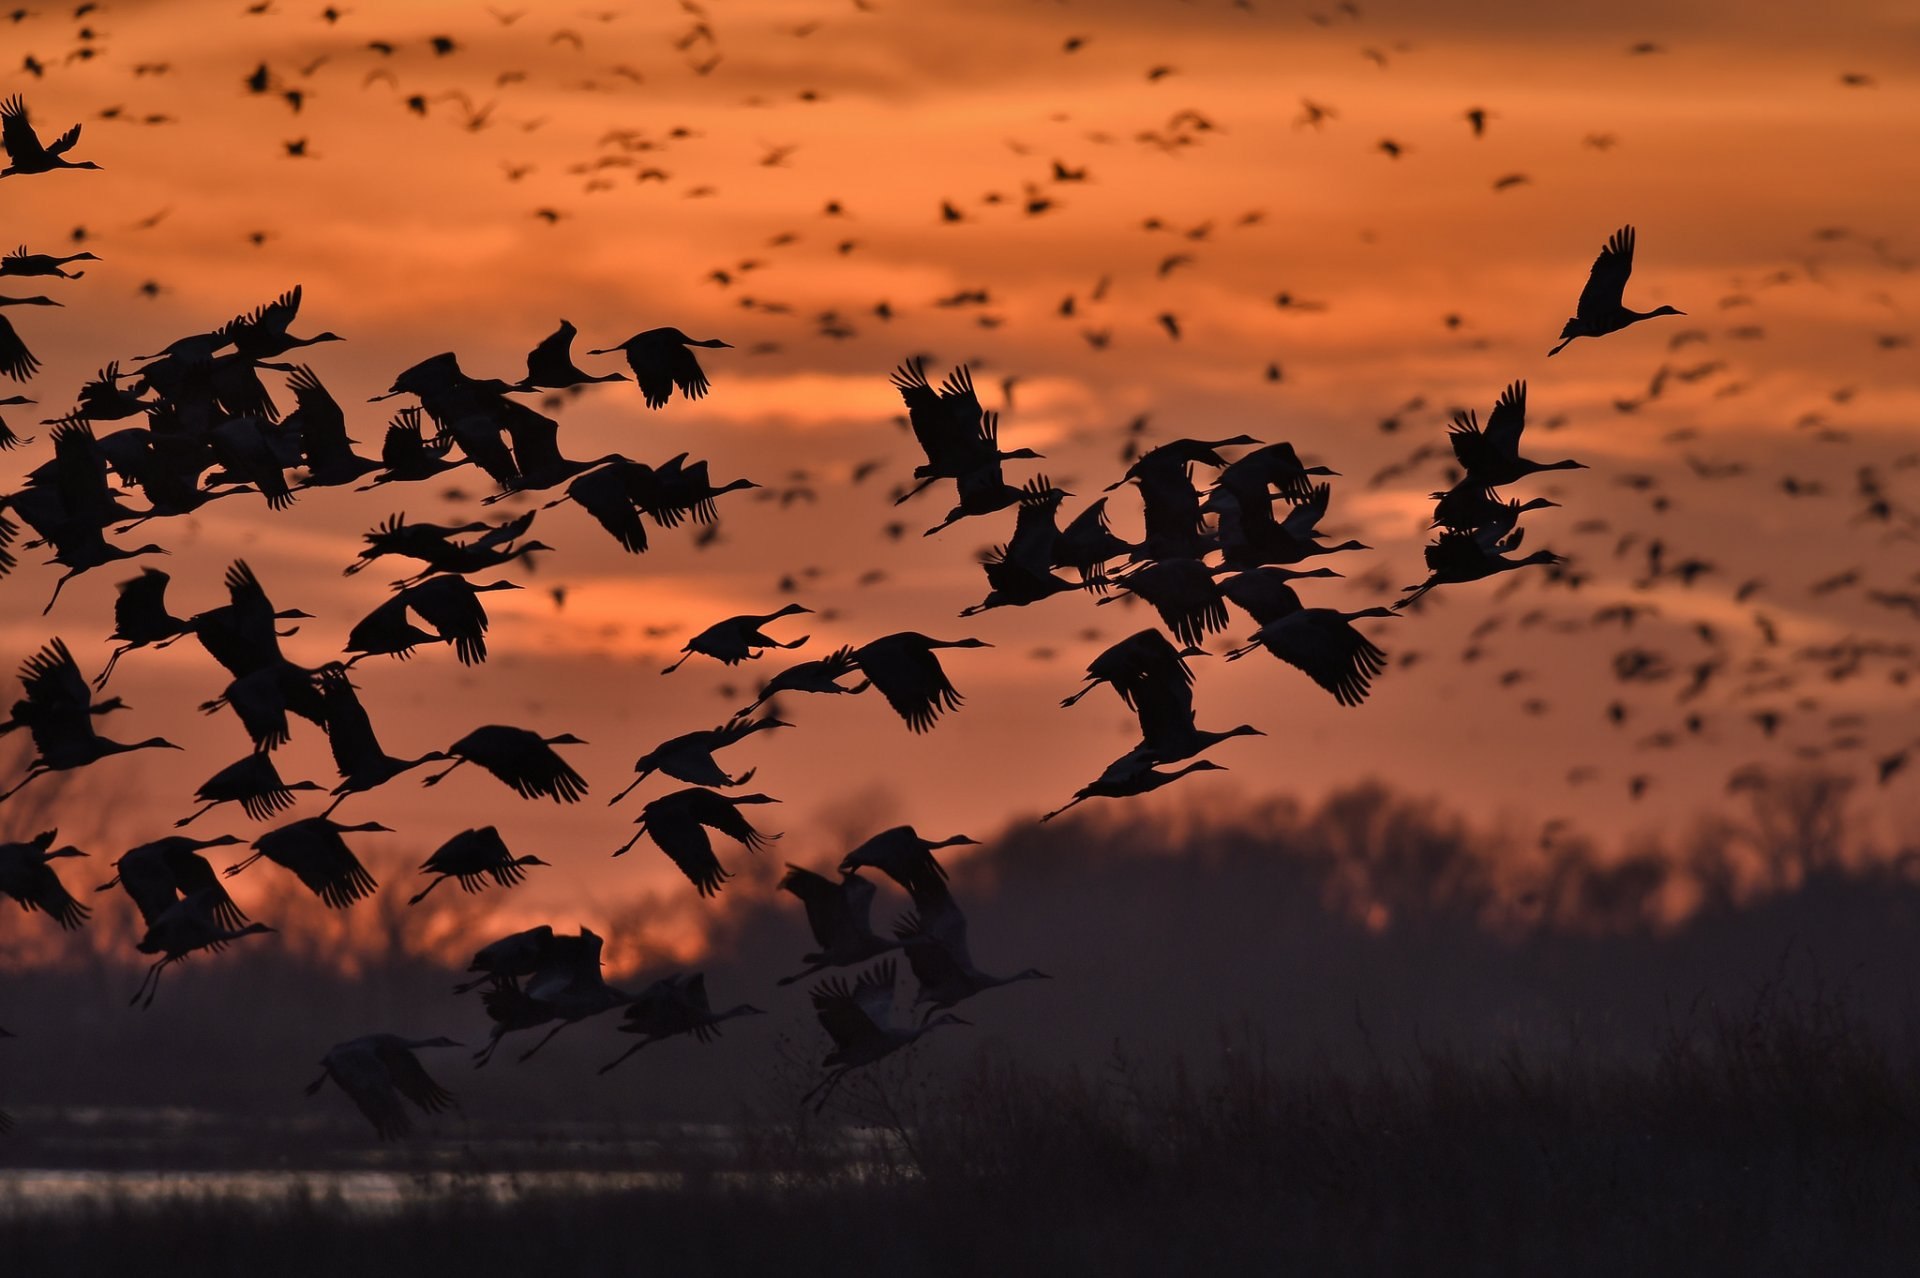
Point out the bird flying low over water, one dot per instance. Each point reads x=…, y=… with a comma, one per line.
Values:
x=661, y=361
x=1601, y=310
x=377, y=1072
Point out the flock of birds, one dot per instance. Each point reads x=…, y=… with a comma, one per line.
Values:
x=211, y=430
x=1240, y=538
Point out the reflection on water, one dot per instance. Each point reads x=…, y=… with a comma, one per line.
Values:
x=40, y=1190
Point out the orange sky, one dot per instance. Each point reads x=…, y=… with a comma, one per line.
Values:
x=1735, y=146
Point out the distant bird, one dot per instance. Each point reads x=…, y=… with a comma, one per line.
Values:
x=660, y=360
x=1600, y=310
x=673, y=1006
x=678, y=824
x=473, y=856
x=27, y=875
x=550, y=365
x=58, y=713
x=859, y=1019
x=738, y=639
x=689, y=756
x=377, y=1072
x=191, y=924
x=319, y=857
x=25, y=154
x=908, y=674
x=523, y=761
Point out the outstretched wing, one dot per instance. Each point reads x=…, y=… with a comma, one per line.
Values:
x=1607, y=281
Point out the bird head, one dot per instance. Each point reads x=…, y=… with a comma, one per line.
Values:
x=1665, y=310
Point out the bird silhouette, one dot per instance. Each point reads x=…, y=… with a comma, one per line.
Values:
x=550, y=365
x=377, y=1072
x=161, y=873
x=673, y=1006
x=58, y=713
x=521, y=760
x=472, y=857
x=905, y=669
x=189, y=925
x=314, y=849
x=689, y=756
x=662, y=361
x=25, y=154
x=738, y=639
x=858, y=1017
x=678, y=824
x=27, y=875
x=1601, y=310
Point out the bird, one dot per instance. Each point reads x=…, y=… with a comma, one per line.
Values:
x=661, y=361
x=821, y=675
x=1600, y=310
x=942, y=964
x=839, y=916
x=738, y=639
x=905, y=856
x=473, y=856
x=27, y=875
x=22, y=263
x=25, y=154
x=357, y=753
x=905, y=669
x=58, y=713
x=678, y=824
x=9, y=440
x=190, y=924
x=1128, y=777
x=565, y=985
x=523, y=761
x=159, y=874
x=859, y=1019
x=1465, y=556
x=377, y=1072
x=317, y=854
x=672, y=1006
x=254, y=783
x=141, y=619
x=689, y=756
x=1322, y=643
x=1492, y=457
x=550, y=365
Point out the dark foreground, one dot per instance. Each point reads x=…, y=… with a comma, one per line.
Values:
x=1780, y=1139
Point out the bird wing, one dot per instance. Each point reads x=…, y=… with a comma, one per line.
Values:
x=194, y=878
x=451, y=607
x=607, y=494
x=719, y=812
x=140, y=603
x=350, y=732
x=16, y=133
x=686, y=843
x=322, y=426
x=1607, y=281
x=145, y=877
x=1305, y=516
x=687, y=373
x=364, y=1077
x=1509, y=418
x=1327, y=648
x=824, y=901
x=523, y=761
x=410, y=1078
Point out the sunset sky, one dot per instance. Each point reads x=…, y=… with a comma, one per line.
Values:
x=1774, y=202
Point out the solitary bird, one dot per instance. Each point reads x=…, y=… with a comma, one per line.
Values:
x=859, y=1019
x=25, y=154
x=473, y=857
x=672, y=1006
x=660, y=360
x=1600, y=310
x=380, y=1070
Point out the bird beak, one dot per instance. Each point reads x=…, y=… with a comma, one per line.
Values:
x=375, y=399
